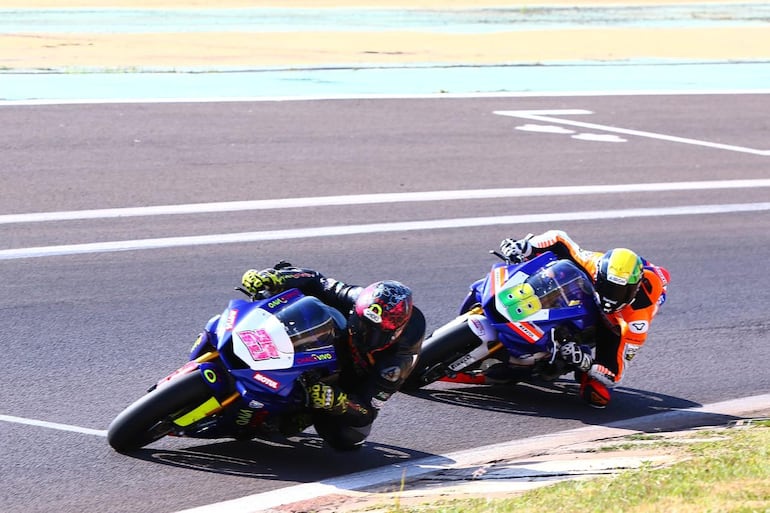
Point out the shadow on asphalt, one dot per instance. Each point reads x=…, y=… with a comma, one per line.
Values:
x=305, y=459
x=302, y=458
x=559, y=400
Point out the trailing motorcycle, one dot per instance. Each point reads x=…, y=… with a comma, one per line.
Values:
x=240, y=379
x=517, y=316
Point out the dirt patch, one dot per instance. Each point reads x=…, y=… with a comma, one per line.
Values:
x=301, y=49
x=228, y=50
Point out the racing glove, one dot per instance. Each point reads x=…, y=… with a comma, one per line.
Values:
x=258, y=282
x=516, y=250
x=576, y=356
x=602, y=374
x=321, y=396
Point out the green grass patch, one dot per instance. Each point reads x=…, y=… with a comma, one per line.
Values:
x=729, y=474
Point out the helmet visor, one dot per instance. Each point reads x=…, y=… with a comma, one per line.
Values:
x=614, y=296
x=368, y=338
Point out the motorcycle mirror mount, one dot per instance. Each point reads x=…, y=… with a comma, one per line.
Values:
x=241, y=289
x=500, y=256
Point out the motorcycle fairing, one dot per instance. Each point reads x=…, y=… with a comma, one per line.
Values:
x=517, y=312
x=258, y=338
x=279, y=339
x=252, y=386
x=261, y=342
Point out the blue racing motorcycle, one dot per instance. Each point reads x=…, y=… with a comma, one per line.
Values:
x=242, y=376
x=518, y=315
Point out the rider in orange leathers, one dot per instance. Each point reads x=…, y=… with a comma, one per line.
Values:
x=628, y=289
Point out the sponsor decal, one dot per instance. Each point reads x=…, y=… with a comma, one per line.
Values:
x=244, y=417
x=630, y=351
x=301, y=274
x=261, y=378
x=478, y=327
x=279, y=302
x=462, y=362
x=638, y=326
x=391, y=373
x=322, y=396
x=210, y=375
x=527, y=331
x=374, y=313
x=260, y=345
x=230, y=322
x=312, y=358
x=196, y=343
x=256, y=405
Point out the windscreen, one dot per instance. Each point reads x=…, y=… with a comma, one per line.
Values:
x=560, y=284
x=311, y=324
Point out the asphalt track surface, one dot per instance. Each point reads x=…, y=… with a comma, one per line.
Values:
x=86, y=333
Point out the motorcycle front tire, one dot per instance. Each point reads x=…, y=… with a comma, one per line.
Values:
x=150, y=417
x=444, y=346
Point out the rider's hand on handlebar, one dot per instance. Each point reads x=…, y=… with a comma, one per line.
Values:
x=516, y=250
x=256, y=282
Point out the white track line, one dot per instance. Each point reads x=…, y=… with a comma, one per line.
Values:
x=334, y=231
x=368, y=199
x=52, y=425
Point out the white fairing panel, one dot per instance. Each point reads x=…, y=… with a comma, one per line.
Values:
x=261, y=342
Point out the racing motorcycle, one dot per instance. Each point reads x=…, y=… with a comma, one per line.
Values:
x=242, y=376
x=519, y=314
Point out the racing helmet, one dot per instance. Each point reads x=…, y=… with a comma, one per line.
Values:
x=379, y=316
x=618, y=276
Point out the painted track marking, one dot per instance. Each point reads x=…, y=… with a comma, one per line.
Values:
x=547, y=116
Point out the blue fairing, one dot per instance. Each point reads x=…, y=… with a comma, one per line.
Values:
x=524, y=302
x=302, y=331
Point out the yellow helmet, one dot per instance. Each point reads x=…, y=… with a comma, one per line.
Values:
x=618, y=277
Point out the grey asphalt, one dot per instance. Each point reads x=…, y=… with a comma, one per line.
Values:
x=86, y=334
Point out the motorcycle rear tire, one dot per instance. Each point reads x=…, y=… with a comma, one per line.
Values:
x=149, y=418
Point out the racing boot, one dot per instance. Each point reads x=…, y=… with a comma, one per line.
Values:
x=592, y=390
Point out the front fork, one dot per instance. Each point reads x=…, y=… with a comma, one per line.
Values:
x=213, y=376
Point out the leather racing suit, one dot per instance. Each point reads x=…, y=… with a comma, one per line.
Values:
x=365, y=381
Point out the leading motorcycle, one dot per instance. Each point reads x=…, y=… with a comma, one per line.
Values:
x=517, y=315
x=242, y=376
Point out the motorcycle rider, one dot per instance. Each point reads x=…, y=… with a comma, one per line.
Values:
x=376, y=353
x=628, y=289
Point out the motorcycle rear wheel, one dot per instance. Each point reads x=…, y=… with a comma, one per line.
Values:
x=150, y=417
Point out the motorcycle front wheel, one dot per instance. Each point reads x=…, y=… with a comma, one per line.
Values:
x=151, y=416
x=444, y=346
